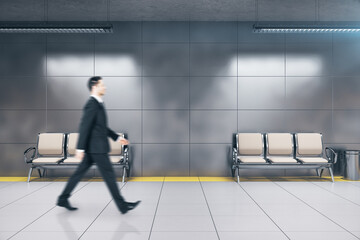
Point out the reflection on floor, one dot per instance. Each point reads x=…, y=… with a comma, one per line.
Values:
x=198, y=209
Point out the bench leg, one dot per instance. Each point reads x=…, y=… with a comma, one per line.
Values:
x=238, y=174
x=124, y=174
x=317, y=172
x=331, y=173
x=29, y=175
x=39, y=171
x=321, y=172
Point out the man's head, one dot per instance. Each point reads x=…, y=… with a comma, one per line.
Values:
x=96, y=86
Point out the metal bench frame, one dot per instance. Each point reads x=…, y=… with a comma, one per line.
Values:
x=237, y=165
x=42, y=167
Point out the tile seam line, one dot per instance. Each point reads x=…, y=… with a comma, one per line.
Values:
x=11, y=183
x=354, y=184
x=217, y=233
x=100, y=212
x=25, y=196
x=43, y=214
x=157, y=206
x=335, y=194
x=316, y=210
x=263, y=211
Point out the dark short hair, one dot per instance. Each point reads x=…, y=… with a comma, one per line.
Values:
x=93, y=81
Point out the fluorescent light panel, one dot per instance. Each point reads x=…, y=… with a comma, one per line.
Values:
x=56, y=28
x=305, y=29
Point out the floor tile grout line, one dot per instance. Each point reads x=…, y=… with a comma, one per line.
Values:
x=316, y=210
x=354, y=184
x=25, y=196
x=32, y=222
x=209, y=209
x=10, y=184
x=42, y=214
x=157, y=206
x=263, y=211
x=100, y=213
x=335, y=194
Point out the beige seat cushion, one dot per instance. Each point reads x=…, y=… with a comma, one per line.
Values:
x=71, y=160
x=51, y=143
x=313, y=160
x=49, y=160
x=72, y=141
x=250, y=144
x=251, y=159
x=115, y=147
x=280, y=144
x=309, y=144
x=282, y=160
x=115, y=159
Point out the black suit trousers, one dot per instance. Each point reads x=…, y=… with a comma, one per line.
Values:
x=107, y=171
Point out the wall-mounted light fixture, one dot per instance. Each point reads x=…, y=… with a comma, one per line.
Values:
x=55, y=27
x=264, y=28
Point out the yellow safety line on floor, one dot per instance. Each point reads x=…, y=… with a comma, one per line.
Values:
x=13, y=179
x=146, y=179
x=216, y=179
x=181, y=179
x=185, y=179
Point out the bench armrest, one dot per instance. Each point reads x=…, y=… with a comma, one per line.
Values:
x=330, y=150
x=26, y=158
x=234, y=155
x=126, y=154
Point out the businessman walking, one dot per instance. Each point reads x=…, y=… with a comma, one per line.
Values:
x=93, y=147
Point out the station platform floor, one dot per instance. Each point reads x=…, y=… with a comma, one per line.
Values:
x=183, y=208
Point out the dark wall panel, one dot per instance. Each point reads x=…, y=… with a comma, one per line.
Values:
x=213, y=59
x=166, y=126
x=165, y=59
x=166, y=32
x=22, y=59
x=308, y=92
x=210, y=159
x=32, y=97
x=261, y=92
x=166, y=159
x=180, y=90
x=213, y=92
x=13, y=160
x=166, y=93
x=212, y=126
x=21, y=126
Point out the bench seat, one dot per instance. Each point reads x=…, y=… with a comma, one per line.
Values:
x=282, y=151
x=289, y=160
x=253, y=160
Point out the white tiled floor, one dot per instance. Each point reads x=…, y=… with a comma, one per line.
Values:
x=184, y=210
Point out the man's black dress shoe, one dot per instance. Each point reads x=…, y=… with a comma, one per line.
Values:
x=133, y=205
x=127, y=206
x=66, y=205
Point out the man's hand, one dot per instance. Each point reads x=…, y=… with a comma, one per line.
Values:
x=123, y=141
x=79, y=155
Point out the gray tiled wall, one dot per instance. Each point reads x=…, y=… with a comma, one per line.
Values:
x=180, y=89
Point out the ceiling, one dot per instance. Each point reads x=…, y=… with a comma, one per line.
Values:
x=179, y=10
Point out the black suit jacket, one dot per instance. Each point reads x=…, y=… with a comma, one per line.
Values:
x=94, y=131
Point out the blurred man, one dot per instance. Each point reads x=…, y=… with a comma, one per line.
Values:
x=93, y=147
